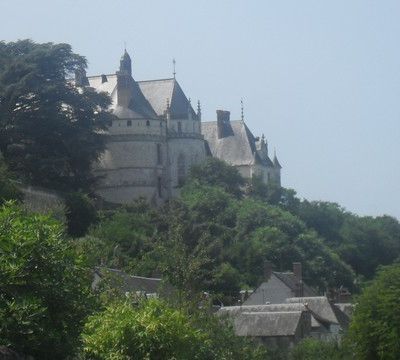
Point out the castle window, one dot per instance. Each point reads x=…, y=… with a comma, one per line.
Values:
x=159, y=154
x=129, y=123
x=160, y=124
x=179, y=127
x=181, y=169
x=147, y=123
x=159, y=187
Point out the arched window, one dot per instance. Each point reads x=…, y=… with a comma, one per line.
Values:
x=148, y=123
x=179, y=127
x=181, y=169
x=129, y=123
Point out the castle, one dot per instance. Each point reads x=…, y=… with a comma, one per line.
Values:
x=157, y=136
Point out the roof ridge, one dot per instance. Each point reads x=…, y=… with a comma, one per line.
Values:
x=153, y=80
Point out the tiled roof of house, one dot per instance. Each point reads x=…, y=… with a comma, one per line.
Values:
x=289, y=279
x=319, y=305
x=266, y=324
x=233, y=311
x=131, y=283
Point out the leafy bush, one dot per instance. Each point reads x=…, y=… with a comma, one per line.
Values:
x=312, y=349
x=80, y=213
x=154, y=330
x=375, y=328
x=45, y=289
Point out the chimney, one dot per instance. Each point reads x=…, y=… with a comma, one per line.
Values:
x=297, y=271
x=223, y=118
x=267, y=270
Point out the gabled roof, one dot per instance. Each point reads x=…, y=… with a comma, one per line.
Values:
x=267, y=324
x=319, y=305
x=233, y=311
x=139, y=106
x=131, y=283
x=159, y=92
x=236, y=147
x=289, y=279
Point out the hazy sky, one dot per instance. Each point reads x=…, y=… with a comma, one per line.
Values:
x=320, y=78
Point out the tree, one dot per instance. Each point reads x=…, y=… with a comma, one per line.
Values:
x=216, y=172
x=44, y=287
x=375, y=328
x=81, y=213
x=8, y=189
x=51, y=132
x=154, y=330
x=313, y=349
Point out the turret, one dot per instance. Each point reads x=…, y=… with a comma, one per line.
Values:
x=125, y=64
x=124, y=81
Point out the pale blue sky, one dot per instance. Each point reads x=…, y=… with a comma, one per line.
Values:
x=320, y=78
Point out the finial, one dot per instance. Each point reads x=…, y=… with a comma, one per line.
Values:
x=262, y=137
x=241, y=109
x=174, y=66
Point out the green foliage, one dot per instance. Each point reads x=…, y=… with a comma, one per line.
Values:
x=50, y=131
x=154, y=330
x=216, y=172
x=375, y=328
x=81, y=213
x=8, y=189
x=363, y=242
x=45, y=287
x=312, y=349
x=151, y=331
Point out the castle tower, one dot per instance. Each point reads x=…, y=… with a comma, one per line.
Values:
x=124, y=81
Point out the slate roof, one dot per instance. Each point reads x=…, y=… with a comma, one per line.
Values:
x=131, y=283
x=233, y=311
x=319, y=305
x=237, y=147
x=158, y=92
x=139, y=106
x=289, y=279
x=267, y=324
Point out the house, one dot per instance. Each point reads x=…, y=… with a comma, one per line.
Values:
x=130, y=284
x=278, y=286
x=280, y=325
x=330, y=320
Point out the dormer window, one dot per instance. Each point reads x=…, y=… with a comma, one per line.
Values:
x=147, y=123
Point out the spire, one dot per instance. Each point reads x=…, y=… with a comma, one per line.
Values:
x=198, y=110
x=241, y=109
x=276, y=161
x=174, y=67
x=125, y=64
